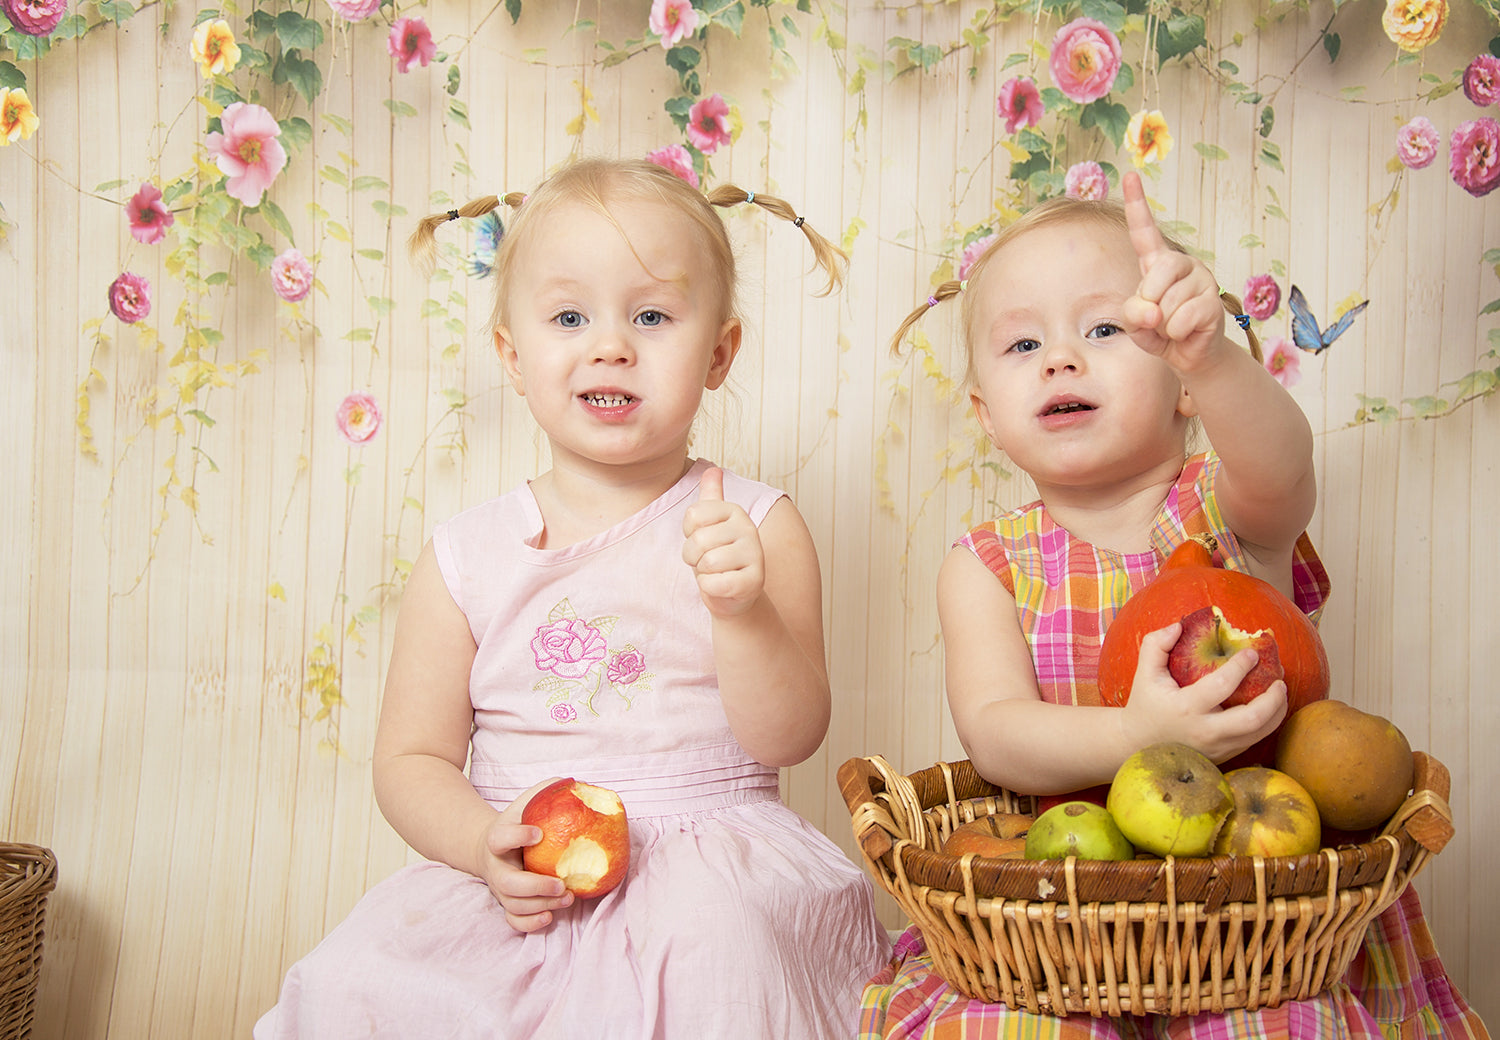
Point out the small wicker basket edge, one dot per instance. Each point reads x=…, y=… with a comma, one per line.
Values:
x=1137, y=937
x=27, y=874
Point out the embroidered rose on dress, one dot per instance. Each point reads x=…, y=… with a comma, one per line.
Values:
x=579, y=663
x=626, y=666
x=564, y=713
x=569, y=648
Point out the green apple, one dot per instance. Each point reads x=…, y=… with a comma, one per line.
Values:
x=1170, y=800
x=1080, y=829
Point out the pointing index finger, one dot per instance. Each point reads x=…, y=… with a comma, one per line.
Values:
x=1144, y=234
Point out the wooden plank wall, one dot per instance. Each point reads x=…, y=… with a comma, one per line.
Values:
x=156, y=733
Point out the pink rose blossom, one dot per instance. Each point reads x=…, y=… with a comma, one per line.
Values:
x=1086, y=180
x=1019, y=104
x=130, y=298
x=972, y=252
x=672, y=20
x=1482, y=80
x=1262, y=296
x=1085, y=60
x=291, y=276
x=568, y=647
x=675, y=157
x=626, y=667
x=355, y=10
x=410, y=41
x=1474, y=156
x=1284, y=361
x=247, y=151
x=358, y=418
x=34, y=17
x=563, y=713
x=708, y=124
x=149, y=218
x=1417, y=143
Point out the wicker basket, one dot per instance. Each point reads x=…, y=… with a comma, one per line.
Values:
x=1137, y=937
x=27, y=874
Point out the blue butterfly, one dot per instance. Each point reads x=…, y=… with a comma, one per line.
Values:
x=487, y=234
x=1305, y=331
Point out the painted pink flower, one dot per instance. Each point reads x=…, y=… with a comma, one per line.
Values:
x=1417, y=143
x=1086, y=180
x=563, y=713
x=34, y=17
x=130, y=298
x=1085, y=60
x=291, y=276
x=1284, y=361
x=247, y=151
x=1262, y=296
x=355, y=10
x=672, y=20
x=149, y=218
x=358, y=418
x=568, y=647
x=1482, y=80
x=1474, y=156
x=410, y=41
x=1019, y=104
x=708, y=124
x=675, y=157
x=625, y=667
x=972, y=252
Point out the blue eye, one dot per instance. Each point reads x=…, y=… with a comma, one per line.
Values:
x=1025, y=346
x=570, y=320
x=651, y=319
x=1104, y=330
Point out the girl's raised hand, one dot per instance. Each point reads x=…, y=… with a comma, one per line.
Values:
x=1175, y=312
x=1159, y=710
x=528, y=899
x=723, y=547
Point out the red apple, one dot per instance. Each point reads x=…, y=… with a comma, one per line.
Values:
x=1208, y=640
x=585, y=839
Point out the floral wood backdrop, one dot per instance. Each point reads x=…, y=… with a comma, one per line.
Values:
x=234, y=411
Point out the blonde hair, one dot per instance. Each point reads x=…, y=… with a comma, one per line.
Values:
x=597, y=182
x=1060, y=210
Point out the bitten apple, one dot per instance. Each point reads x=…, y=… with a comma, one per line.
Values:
x=1273, y=816
x=1208, y=641
x=585, y=839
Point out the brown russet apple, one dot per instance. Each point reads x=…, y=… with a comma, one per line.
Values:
x=1357, y=766
x=585, y=838
x=997, y=836
x=1208, y=641
x=1273, y=816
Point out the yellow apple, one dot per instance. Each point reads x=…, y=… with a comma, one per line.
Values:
x=1170, y=800
x=1273, y=816
x=585, y=838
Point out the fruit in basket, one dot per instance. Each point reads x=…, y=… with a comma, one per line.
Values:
x=1080, y=829
x=585, y=838
x=1207, y=643
x=1357, y=766
x=998, y=836
x=1189, y=582
x=1170, y=800
x=1273, y=816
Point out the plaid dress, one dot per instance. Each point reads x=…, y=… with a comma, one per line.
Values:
x=1068, y=592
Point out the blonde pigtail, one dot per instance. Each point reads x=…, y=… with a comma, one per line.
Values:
x=422, y=245
x=945, y=291
x=833, y=260
x=1236, y=308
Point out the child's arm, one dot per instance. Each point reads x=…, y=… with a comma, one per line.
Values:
x=1266, y=489
x=763, y=588
x=1020, y=742
x=422, y=743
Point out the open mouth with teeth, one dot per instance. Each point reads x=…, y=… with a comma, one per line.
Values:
x=1068, y=407
x=607, y=400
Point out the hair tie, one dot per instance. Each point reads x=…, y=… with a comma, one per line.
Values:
x=797, y=222
x=963, y=285
x=932, y=301
x=453, y=214
x=1243, y=321
x=749, y=197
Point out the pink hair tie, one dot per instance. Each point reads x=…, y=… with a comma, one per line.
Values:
x=932, y=301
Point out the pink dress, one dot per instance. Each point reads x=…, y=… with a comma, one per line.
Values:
x=737, y=918
x=1067, y=592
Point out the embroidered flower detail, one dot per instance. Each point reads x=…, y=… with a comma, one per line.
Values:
x=568, y=647
x=1085, y=60
x=563, y=713
x=1417, y=143
x=1086, y=180
x=1262, y=296
x=675, y=158
x=1019, y=104
x=625, y=666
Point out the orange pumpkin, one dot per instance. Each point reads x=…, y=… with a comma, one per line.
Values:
x=1189, y=581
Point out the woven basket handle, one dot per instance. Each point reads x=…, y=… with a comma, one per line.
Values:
x=1426, y=815
x=858, y=782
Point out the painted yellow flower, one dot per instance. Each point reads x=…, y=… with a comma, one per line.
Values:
x=1413, y=24
x=18, y=119
x=1147, y=137
x=214, y=48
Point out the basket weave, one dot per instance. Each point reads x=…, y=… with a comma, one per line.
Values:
x=1173, y=936
x=27, y=874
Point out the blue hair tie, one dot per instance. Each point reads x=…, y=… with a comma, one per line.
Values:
x=749, y=197
x=1243, y=321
